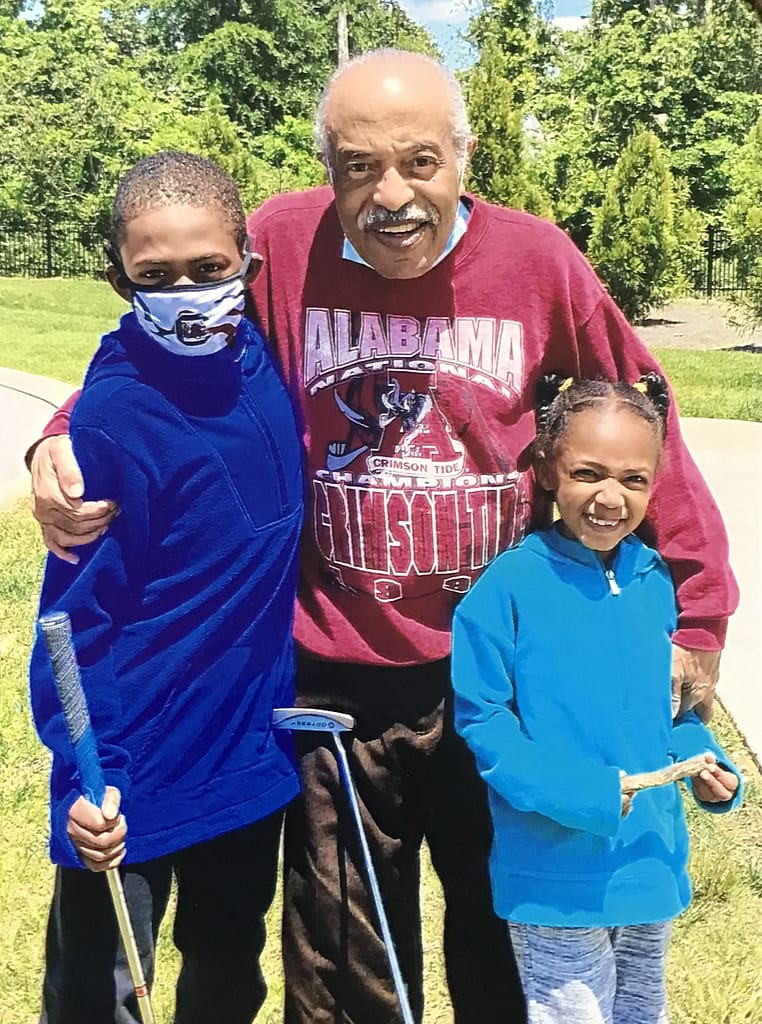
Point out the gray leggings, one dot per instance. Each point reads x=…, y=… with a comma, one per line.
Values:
x=593, y=975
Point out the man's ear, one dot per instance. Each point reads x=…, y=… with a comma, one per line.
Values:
x=545, y=473
x=118, y=282
x=254, y=267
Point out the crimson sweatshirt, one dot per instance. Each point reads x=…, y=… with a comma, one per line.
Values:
x=415, y=401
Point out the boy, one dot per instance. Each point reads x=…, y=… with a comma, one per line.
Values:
x=181, y=615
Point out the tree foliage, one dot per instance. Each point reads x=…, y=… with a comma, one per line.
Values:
x=633, y=245
x=501, y=170
x=88, y=88
x=510, y=28
x=688, y=73
x=744, y=216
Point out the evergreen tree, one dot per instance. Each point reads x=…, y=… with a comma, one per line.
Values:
x=500, y=169
x=633, y=246
x=521, y=35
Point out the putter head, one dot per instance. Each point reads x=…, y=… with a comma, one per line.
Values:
x=311, y=720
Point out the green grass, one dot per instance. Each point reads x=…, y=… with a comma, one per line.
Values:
x=716, y=959
x=714, y=383
x=51, y=327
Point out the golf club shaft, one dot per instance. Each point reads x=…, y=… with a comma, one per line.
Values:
x=119, y=901
x=399, y=983
x=56, y=632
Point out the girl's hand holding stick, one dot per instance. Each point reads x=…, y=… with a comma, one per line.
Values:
x=714, y=784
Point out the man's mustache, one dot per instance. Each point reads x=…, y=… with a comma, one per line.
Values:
x=379, y=216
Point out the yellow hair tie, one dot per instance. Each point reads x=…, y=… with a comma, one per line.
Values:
x=641, y=386
x=566, y=384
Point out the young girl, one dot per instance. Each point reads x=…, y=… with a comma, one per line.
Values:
x=181, y=615
x=561, y=671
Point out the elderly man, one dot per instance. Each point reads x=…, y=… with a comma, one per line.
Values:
x=412, y=322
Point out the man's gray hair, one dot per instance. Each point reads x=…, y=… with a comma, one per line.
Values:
x=461, y=130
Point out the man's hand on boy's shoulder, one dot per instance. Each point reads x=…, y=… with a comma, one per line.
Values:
x=57, y=488
x=715, y=784
x=98, y=833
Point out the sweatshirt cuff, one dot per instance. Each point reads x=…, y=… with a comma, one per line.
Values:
x=62, y=849
x=591, y=801
x=701, y=634
x=691, y=737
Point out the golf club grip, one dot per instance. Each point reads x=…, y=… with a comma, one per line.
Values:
x=56, y=631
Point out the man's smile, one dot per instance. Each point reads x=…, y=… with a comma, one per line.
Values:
x=398, y=235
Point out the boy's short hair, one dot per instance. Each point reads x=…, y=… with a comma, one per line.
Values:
x=175, y=178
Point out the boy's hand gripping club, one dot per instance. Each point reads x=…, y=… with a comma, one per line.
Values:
x=56, y=631
x=317, y=720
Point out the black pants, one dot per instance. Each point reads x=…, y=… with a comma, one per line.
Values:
x=224, y=889
x=416, y=780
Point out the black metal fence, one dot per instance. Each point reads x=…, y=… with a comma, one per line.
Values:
x=721, y=267
x=76, y=250
x=51, y=250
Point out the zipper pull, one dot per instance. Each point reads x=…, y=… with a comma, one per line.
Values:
x=613, y=585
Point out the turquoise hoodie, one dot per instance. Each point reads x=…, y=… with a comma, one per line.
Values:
x=561, y=673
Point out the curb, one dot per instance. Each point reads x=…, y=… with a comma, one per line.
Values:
x=44, y=389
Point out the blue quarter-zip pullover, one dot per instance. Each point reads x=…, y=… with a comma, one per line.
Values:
x=182, y=612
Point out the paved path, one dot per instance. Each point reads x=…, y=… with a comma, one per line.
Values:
x=26, y=404
x=699, y=324
x=728, y=452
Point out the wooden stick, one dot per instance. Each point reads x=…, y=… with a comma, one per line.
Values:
x=663, y=776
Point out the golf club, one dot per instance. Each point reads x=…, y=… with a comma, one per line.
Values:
x=317, y=720
x=56, y=631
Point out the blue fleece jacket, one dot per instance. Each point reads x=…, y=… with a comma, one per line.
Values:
x=562, y=678
x=182, y=612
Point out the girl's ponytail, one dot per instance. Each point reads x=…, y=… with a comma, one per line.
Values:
x=548, y=388
x=654, y=387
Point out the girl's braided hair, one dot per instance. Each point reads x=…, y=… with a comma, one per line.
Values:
x=557, y=398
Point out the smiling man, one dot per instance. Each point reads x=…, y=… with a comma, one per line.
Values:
x=397, y=158
x=412, y=322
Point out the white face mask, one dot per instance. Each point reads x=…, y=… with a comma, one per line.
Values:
x=193, y=320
